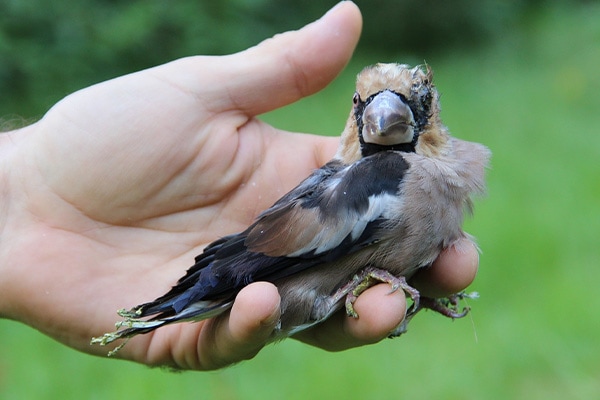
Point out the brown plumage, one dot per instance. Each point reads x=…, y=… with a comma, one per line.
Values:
x=385, y=206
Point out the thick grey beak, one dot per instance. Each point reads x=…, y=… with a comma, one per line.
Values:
x=387, y=120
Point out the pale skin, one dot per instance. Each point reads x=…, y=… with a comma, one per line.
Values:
x=107, y=199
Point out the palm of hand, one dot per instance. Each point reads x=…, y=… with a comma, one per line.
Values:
x=139, y=187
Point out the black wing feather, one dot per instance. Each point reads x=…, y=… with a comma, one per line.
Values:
x=227, y=265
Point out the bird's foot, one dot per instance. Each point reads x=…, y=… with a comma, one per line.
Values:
x=447, y=306
x=369, y=277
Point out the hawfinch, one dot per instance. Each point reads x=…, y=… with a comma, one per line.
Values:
x=385, y=206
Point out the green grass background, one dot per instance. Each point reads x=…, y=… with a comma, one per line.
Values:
x=534, y=99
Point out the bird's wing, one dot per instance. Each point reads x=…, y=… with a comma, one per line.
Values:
x=334, y=212
x=331, y=208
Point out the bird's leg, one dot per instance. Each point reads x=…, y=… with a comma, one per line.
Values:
x=373, y=275
x=367, y=278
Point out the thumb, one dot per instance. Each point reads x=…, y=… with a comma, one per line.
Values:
x=276, y=72
x=296, y=64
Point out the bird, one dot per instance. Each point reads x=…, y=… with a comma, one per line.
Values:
x=390, y=200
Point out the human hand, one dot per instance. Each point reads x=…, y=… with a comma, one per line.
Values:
x=109, y=197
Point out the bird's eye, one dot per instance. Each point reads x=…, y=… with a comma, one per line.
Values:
x=355, y=98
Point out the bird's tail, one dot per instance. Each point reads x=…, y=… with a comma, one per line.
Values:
x=135, y=324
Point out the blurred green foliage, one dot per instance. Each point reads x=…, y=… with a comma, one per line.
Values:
x=529, y=92
x=51, y=48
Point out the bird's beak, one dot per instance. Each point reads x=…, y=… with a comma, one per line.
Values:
x=387, y=120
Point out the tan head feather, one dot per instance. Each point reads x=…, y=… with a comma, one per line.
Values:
x=416, y=85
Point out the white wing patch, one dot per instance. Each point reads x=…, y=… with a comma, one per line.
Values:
x=378, y=205
x=350, y=223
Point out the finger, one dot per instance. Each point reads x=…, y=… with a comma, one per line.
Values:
x=241, y=334
x=379, y=312
x=296, y=64
x=452, y=272
x=276, y=72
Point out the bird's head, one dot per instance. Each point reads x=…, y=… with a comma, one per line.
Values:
x=395, y=107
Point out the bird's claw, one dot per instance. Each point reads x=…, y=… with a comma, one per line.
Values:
x=447, y=306
x=369, y=277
